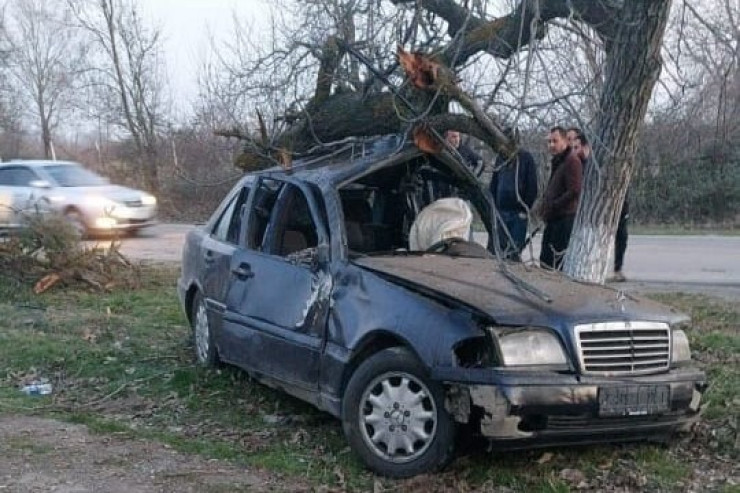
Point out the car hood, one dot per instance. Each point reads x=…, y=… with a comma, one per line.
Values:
x=526, y=296
x=116, y=193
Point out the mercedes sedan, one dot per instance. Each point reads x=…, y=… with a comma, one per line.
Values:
x=345, y=281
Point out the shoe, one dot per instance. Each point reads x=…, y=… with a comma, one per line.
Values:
x=617, y=277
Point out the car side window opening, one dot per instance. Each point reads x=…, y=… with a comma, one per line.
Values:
x=229, y=224
x=17, y=177
x=379, y=208
x=263, y=203
x=292, y=228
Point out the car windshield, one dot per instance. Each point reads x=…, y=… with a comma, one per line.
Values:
x=70, y=175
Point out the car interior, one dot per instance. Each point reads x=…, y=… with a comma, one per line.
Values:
x=380, y=208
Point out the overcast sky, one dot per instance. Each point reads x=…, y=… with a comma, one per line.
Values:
x=186, y=25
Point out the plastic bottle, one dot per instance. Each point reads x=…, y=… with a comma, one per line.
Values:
x=37, y=388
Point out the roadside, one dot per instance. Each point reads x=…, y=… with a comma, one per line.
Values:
x=42, y=454
x=130, y=409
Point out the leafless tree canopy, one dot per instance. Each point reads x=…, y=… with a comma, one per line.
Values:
x=338, y=72
x=44, y=58
x=126, y=74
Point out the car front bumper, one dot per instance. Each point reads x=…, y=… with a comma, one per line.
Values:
x=530, y=409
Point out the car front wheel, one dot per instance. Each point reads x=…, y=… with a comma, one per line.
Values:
x=75, y=219
x=394, y=416
x=205, y=347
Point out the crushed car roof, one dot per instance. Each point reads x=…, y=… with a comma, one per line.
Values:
x=347, y=159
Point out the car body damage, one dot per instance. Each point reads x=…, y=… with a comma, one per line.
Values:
x=306, y=279
x=481, y=284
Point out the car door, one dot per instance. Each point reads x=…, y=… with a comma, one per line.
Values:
x=17, y=196
x=7, y=214
x=216, y=250
x=278, y=294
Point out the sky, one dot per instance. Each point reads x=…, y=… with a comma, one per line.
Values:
x=186, y=25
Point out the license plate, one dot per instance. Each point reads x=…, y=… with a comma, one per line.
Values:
x=633, y=400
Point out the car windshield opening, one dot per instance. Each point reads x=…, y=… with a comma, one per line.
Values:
x=67, y=175
x=410, y=207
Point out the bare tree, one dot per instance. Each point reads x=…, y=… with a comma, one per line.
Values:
x=45, y=61
x=451, y=38
x=128, y=80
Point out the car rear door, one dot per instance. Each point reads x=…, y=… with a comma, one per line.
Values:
x=17, y=196
x=277, y=299
x=215, y=252
x=7, y=214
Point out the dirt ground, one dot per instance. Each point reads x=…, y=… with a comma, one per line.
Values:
x=45, y=455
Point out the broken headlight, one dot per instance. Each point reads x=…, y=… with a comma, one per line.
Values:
x=528, y=347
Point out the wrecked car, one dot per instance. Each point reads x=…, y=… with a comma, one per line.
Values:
x=306, y=278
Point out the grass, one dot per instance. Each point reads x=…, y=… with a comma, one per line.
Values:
x=120, y=363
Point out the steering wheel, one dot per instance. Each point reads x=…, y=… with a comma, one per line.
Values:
x=444, y=245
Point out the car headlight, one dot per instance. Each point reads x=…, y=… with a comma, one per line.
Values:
x=56, y=198
x=526, y=347
x=148, y=199
x=680, y=344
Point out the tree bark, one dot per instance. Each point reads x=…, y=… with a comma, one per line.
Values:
x=633, y=64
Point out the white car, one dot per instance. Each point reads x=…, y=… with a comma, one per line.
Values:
x=89, y=201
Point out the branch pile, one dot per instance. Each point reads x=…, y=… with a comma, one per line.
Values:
x=48, y=253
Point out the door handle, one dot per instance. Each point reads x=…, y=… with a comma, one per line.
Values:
x=244, y=271
x=208, y=256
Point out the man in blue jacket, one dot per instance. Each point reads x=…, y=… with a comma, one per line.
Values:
x=514, y=189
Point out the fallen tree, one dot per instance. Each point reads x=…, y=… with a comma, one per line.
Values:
x=630, y=32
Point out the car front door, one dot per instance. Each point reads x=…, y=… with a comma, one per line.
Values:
x=277, y=301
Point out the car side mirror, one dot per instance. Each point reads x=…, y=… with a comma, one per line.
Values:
x=40, y=184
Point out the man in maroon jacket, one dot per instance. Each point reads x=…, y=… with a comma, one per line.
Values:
x=560, y=201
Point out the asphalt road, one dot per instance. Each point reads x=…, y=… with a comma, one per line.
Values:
x=707, y=262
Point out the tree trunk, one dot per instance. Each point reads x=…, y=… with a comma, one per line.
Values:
x=633, y=64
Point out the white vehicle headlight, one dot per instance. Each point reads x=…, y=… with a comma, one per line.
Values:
x=530, y=347
x=681, y=349
x=148, y=199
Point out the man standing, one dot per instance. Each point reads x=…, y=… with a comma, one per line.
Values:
x=581, y=147
x=579, y=144
x=620, y=242
x=471, y=158
x=560, y=201
x=514, y=189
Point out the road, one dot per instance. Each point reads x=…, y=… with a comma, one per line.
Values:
x=651, y=261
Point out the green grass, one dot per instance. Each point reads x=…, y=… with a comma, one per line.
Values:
x=120, y=363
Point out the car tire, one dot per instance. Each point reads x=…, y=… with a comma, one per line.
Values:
x=204, y=343
x=391, y=403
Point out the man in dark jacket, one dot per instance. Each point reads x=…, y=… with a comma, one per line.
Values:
x=581, y=147
x=472, y=159
x=620, y=242
x=560, y=201
x=514, y=189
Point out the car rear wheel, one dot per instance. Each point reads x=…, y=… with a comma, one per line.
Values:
x=205, y=347
x=394, y=416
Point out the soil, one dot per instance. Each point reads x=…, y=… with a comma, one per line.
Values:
x=48, y=455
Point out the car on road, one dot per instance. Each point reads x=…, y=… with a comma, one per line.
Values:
x=88, y=201
x=306, y=278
